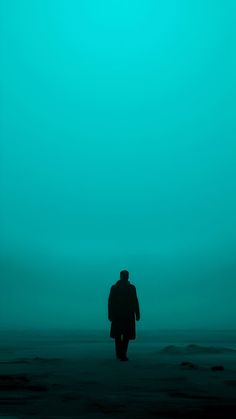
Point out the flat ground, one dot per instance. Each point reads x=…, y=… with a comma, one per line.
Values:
x=55, y=376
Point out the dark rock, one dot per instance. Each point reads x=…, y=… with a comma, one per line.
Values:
x=188, y=365
x=19, y=382
x=217, y=368
x=13, y=382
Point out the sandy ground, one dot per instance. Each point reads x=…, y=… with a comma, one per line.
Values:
x=80, y=377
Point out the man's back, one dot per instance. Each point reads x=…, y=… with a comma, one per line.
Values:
x=123, y=302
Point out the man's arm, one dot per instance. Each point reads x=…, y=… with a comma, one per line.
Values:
x=110, y=303
x=136, y=305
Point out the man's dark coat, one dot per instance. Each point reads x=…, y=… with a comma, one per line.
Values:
x=123, y=306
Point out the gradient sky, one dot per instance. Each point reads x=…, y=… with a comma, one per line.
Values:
x=118, y=151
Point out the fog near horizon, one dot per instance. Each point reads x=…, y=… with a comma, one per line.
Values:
x=117, y=141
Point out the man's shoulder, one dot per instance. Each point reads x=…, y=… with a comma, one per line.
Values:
x=114, y=286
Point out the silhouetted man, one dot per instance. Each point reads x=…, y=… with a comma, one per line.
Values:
x=123, y=307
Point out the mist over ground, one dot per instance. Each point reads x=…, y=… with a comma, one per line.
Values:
x=117, y=143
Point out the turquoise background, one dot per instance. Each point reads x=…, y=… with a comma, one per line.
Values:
x=118, y=151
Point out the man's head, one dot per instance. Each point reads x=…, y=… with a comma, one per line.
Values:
x=124, y=275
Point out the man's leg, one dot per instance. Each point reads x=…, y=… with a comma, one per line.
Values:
x=125, y=343
x=118, y=344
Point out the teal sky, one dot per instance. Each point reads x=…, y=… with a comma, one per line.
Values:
x=118, y=151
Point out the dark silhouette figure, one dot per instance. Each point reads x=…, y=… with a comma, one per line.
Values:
x=123, y=308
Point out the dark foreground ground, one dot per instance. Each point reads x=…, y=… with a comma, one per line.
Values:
x=57, y=375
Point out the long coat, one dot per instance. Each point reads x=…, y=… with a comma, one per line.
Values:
x=123, y=306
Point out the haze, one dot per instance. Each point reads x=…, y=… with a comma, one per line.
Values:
x=118, y=128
